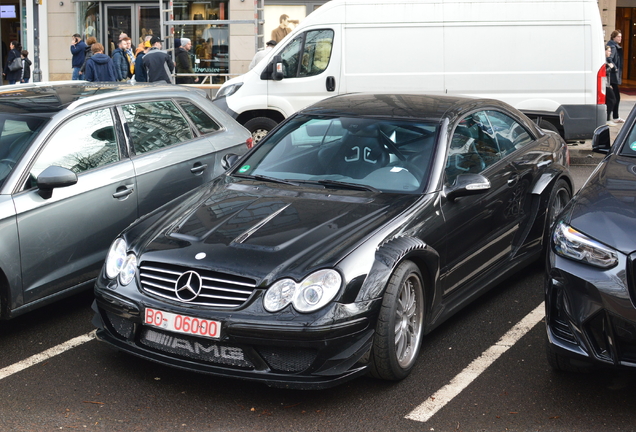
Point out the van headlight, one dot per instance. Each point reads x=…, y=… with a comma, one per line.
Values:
x=311, y=294
x=228, y=90
x=118, y=263
x=572, y=244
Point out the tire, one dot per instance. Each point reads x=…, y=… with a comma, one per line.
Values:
x=259, y=127
x=559, y=197
x=398, y=335
x=544, y=124
x=561, y=363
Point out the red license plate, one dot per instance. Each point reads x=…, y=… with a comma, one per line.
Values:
x=183, y=324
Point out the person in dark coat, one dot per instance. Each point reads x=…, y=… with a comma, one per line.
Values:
x=88, y=53
x=12, y=76
x=26, y=67
x=100, y=67
x=158, y=63
x=140, y=70
x=184, y=64
x=616, y=76
x=78, y=49
x=120, y=60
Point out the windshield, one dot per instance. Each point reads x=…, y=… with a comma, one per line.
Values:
x=383, y=155
x=16, y=134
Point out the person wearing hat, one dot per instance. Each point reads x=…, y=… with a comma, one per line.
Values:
x=140, y=70
x=158, y=63
x=261, y=54
x=184, y=63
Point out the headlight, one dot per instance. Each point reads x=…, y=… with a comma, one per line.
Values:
x=569, y=243
x=115, y=259
x=312, y=293
x=228, y=90
x=120, y=264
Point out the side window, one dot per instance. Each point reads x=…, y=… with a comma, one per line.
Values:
x=204, y=123
x=510, y=135
x=308, y=54
x=155, y=125
x=473, y=147
x=87, y=141
x=316, y=53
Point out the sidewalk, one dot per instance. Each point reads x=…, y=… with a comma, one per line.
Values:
x=581, y=153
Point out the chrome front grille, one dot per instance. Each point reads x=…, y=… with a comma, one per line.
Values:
x=216, y=289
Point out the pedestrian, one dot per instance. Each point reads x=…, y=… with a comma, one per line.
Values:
x=282, y=30
x=610, y=98
x=13, y=76
x=100, y=67
x=616, y=76
x=140, y=70
x=260, y=54
x=78, y=50
x=158, y=63
x=26, y=67
x=130, y=56
x=87, y=53
x=120, y=59
x=184, y=63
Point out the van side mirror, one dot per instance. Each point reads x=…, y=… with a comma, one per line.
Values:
x=601, y=140
x=277, y=70
x=54, y=177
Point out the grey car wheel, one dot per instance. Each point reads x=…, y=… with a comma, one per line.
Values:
x=400, y=324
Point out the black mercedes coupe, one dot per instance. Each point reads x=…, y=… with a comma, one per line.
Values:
x=328, y=251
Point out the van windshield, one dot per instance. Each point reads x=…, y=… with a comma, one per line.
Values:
x=384, y=155
x=16, y=134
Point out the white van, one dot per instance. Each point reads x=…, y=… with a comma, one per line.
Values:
x=546, y=58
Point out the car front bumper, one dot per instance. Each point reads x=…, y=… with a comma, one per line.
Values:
x=590, y=312
x=274, y=352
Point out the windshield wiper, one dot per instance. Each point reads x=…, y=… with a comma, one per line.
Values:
x=343, y=185
x=266, y=178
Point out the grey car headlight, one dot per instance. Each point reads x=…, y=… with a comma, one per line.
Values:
x=572, y=244
x=312, y=293
x=119, y=263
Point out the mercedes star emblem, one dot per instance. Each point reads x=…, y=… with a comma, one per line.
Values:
x=188, y=286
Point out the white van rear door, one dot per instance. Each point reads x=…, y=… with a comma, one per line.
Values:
x=311, y=69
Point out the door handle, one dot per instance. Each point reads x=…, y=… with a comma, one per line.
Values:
x=124, y=191
x=514, y=178
x=198, y=168
x=331, y=84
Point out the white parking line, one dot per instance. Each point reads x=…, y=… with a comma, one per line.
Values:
x=45, y=355
x=446, y=394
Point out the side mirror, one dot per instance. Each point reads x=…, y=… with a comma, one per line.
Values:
x=229, y=160
x=277, y=72
x=54, y=177
x=466, y=184
x=601, y=140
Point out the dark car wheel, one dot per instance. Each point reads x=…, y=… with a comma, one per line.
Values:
x=259, y=127
x=559, y=197
x=561, y=363
x=398, y=337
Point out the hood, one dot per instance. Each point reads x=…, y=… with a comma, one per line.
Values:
x=100, y=58
x=255, y=229
x=605, y=208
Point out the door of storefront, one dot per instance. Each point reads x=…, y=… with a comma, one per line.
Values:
x=136, y=20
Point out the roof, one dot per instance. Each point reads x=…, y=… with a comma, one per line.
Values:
x=411, y=106
x=50, y=98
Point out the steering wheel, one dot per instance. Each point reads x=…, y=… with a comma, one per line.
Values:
x=9, y=162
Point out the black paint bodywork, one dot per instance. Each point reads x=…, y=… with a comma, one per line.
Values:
x=590, y=311
x=462, y=248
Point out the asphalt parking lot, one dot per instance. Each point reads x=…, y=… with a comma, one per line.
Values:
x=484, y=369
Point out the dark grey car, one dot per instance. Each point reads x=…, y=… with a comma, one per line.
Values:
x=80, y=162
